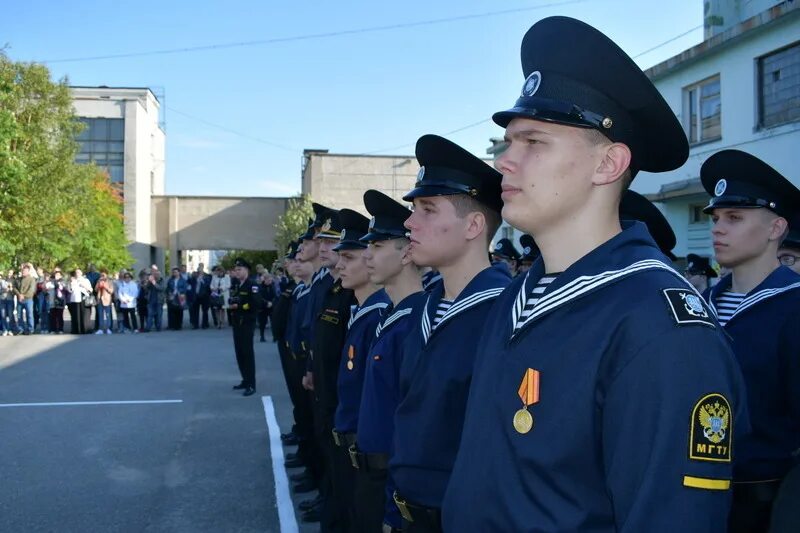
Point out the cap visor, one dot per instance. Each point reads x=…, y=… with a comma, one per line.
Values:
x=349, y=245
x=426, y=191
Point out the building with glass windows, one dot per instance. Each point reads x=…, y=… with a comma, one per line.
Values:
x=739, y=88
x=124, y=135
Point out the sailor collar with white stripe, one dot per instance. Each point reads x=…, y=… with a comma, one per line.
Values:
x=487, y=285
x=630, y=252
x=781, y=280
x=393, y=314
x=318, y=275
x=376, y=301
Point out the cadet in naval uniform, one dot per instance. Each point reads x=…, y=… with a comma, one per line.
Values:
x=456, y=213
x=699, y=272
x=789, y=252
x=758, y=304
x=505, y=252
x=530, y=252
x=389, y=265
x=244, y=303
x=280, y=322
x=364, y=316
x=590, y=409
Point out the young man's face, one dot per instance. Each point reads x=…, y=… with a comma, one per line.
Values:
x=384, y=259
x=741, y=235
x=241, y=272
x=438, y=234
x=790, y=257
x=303, y=269
x=308, y=251
x=327, y=255
x=547, y=170
x=176, y=273
x=352, y=269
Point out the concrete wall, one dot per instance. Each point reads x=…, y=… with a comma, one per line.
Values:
x=214, y=223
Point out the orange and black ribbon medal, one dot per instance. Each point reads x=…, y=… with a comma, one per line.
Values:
x=529, y=394
x=351, y=353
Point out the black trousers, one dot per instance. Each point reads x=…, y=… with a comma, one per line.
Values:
x=56, y=319
x=243, y=328
x=370, y=499
x=174, y=316
x=263, y=318
x=343, y=481
x=77, y=314
x=141, y=309
x=128, y=318
x=198, y=312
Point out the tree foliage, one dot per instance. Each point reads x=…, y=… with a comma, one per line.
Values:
x=52, y=210
x=254, y=257
x=292, y=223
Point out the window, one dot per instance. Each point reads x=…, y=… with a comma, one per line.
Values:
x=696, y=215
x=508, y=233
x=103, y=141
x=779, y=87
x=703, y=111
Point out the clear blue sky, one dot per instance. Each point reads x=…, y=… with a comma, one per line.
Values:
x=351, y=93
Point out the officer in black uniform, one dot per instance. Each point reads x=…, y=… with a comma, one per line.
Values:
x=280, y=319
x=244, y=304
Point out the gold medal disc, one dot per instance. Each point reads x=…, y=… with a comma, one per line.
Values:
x=349, y=365
x=523, y=421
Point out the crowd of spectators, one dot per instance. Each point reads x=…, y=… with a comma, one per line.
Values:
x=35, y=301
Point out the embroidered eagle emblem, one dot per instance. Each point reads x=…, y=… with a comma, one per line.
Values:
x=326, y=226
x=714, y=419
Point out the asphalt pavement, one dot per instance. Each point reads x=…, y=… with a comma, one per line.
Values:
x=139, y=433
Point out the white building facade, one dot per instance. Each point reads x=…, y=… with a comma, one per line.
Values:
x=123, y=135
x=739, y=89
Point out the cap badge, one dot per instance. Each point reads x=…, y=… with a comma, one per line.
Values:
x=527, y=250
x=326, y=226
x=532, y=83
x=719, y=190
x=341, y=237
x=499, y=246
x=421, y=173
x=371, y=223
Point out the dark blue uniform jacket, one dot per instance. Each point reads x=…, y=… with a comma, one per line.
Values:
x=765, y=333
x=639, y=394
x=360, y=334
x=435, y=377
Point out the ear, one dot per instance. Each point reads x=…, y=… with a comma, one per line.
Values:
x=406, y=257
x=475, y=224
x=778, y=229
x=615, y=159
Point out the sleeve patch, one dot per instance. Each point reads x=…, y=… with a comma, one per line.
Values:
x=254, y=289
x=706, y=483
x=688, y=308
x=711, y=427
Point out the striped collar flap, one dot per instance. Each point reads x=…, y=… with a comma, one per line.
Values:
x=781, y=280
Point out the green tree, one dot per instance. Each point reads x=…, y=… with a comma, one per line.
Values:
x=254, y=257
x=52, y=210
x=292, y=223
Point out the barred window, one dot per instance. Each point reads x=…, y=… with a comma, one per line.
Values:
x=779, y=87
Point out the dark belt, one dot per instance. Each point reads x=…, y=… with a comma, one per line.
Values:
x=761, y=491
x=412, y=512
x=368, y=461
x=343, y=440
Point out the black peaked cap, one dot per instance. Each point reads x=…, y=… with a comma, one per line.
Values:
x=576, y=76
x=696, y=263
x=634, y=206
x=505, y=249
x=388, y=217
x=447, y=169
x=530, y=251
x=354, y=226
x=737, y=179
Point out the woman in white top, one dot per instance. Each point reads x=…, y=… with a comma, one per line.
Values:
x=220, y=293
x=128, y=291
x=79, y=289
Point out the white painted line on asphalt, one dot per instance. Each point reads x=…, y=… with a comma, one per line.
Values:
x=286, y=516
x=69, y=404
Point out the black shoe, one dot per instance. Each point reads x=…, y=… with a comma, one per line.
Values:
x=291, y=441
x=299, y=478
x=305, y=486
x=313, y=515
x=240, y=386
x=307, y=505
x=285, y=436
x=294, y=463
x=249, y=391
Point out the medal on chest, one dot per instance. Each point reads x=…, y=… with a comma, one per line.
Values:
x=529, y=394
x=351, y=353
